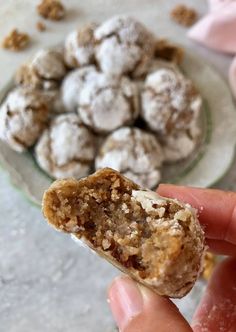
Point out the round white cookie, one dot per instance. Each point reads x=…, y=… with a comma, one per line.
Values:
x=23, y=116
x=73, y=84
x=133, y=152
x=108, y=102
x=44, y=71
x=125, y=46
x=66, y=148
x=170, y=102
x=180, y=145
x=79, y=48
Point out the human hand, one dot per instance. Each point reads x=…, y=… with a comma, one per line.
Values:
x=137, y=309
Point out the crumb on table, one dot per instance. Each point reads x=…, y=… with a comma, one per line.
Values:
x=51, y=9
x=40, y=26
x=16, y=40
x=208, y=265
x=184, y=15
x=168, y=51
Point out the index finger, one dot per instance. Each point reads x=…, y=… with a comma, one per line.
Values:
x=217, y=209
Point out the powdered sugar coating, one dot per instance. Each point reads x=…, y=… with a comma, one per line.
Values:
x=170, y=102
x=66, y=148
x=133, y=152
x=108, y=102
x=73, y=84
x=180, y=145
x=79, y=46
x=44, y=71
x=23, y=116
x=125, y=46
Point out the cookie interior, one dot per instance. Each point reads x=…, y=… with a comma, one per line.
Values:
x=103, y=210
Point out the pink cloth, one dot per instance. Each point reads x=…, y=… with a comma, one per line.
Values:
x=217, y=30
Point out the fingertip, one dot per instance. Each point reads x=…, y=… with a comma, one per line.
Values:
x=137, y=308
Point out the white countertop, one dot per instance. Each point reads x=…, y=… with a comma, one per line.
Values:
x=43, y=279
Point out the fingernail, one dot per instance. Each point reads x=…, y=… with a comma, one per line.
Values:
x=126, y=300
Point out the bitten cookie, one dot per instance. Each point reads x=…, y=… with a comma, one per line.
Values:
x=44, y=71
x=23, y=116
x=124, y=46
x=66, y=148
x=73, y=84
x=133, y=152
x=157, y=241
x=106, y=102
x=170, y=102
x=79, y=48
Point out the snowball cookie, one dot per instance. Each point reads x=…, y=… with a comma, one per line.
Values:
x=157, y=241
x=125, y=46
x=44, y=71
x=133, y=152
x=79, y=48
x=170, y=102
x=66, y=148
x=23, y=116
x=72, y=85
x=107, y=102
x=181, y=144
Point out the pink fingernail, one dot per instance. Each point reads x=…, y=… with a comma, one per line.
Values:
x=126, y=300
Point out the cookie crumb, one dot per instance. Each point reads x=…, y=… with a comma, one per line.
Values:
x=40, y=26
x=51, y=9
x=184, y=15
x=169, y=52
x=208, y=265
x=16, y=40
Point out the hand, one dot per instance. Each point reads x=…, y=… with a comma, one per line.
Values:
x=137, y=309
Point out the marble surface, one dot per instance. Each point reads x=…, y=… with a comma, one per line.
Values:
x=47, y=283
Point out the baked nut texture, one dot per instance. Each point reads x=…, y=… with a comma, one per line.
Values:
x=79, y=48
x=66, y=148
x=16, y=40
x=73, y=84
x=155, y=240
x=44, y=71
x=107, y=103
x=170, y=102
x=23, y=116
x=51, y=9
x=125, y=46
x=134, y=153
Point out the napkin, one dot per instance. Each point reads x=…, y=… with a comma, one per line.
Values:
x=217, y=30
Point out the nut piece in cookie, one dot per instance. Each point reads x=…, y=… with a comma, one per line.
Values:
x=66, y=148
x=79, y=48
x=170, y=101
x=16, y=40
x=108, y=102
x=23, y=116
x=73, y=84
x=51, y=9
x=134, y=153
x=125, y=46
x=157, y=241
x=44, y=71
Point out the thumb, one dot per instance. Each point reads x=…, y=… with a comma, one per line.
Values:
x=137, y=309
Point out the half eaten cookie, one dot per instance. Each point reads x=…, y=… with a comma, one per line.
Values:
x=157, y=241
